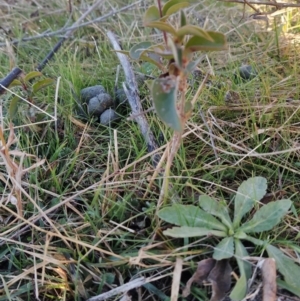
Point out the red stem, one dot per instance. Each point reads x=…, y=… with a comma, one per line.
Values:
x=160, y=13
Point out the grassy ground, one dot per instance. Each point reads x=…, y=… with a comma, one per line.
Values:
x=89, y=220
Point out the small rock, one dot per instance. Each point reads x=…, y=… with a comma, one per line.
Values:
x=87, y=93
x=247, y=72
x=99, y=104
x=121, y=96
x=108, y=117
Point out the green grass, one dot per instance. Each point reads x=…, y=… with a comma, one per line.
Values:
x=89, y=211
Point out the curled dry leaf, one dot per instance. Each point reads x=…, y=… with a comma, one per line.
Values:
x=220, y=279
x=215, y=271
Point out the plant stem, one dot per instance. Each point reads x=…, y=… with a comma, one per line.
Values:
x=160, y=13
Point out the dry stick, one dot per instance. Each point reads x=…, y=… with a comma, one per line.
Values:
x=131, y=91
x=63, y=30
x=67, y=36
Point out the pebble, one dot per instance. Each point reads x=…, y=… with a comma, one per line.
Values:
x=108, y=117
x=247, y=72
x=97, y=105
x=87, y=93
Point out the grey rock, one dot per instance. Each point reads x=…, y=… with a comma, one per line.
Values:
x=108, y=117
x=99, y=104
x=247, y=72
x=121, y=96
x=87, y=93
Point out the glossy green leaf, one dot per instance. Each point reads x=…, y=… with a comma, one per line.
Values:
x=164, y=94
x=13, y=106
x=15, y=83
x=196, y=43
x=169, y=4
x=162, y=26
x=148, y=59
x=136, y=51
x=183, y=21
x=193, y=30
x=267, y=217
x=192, y=65
x=215, y=208
x=177, y=53
x=183, y=232
x=224, y=249
x=248, y=193
x=189, y=215
x=31, y=75
x=176, y=7
x=42, y=84
x=241, y=287
x=151, y=14
x=286, y=266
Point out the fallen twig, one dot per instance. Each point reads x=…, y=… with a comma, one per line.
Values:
x=73, y=27
x=131, y=91
x=50, y=55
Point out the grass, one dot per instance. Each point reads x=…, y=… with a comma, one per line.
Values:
x=89, y=212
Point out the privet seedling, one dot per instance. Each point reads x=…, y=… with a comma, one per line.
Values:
x=212, y=218
x=30, y=84
x=174, y=57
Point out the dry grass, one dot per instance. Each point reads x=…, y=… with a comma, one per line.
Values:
x=77, y=213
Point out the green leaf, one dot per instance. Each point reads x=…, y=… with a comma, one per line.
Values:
x=183, y=21
x=255, y=241
x=137, y=50
x=286, y=266
x=183, y=232
x=215, y=208
x=248, y=193
x=15, y=83
x=240, y=252
x=189, y=215
x=286, y=286
x=177, y=53
x=267, y=217
x=176, y=7
x=13, y=106
x=224, y=249
x=194, y=31
x=164, y=93
x=196, y=43
x=151, y=14
x=169, y=4
x=162, y=26
x=240, y=289
x=42, y=84
x=31, y=75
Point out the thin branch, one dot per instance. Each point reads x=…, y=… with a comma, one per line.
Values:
x=67, y=36
x=64, y=30
x=278, y=5
x=131, y=91
x=6, y=81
